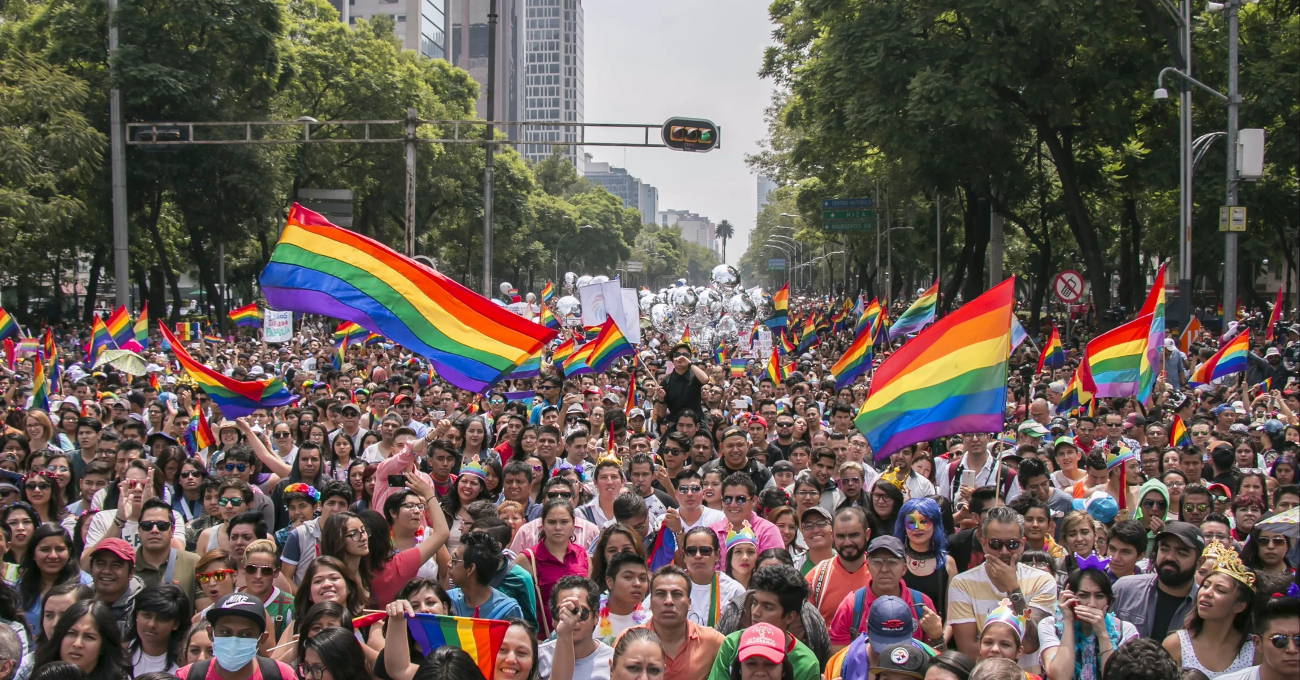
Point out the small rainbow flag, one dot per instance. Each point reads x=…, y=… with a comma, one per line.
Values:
x=686, y=336
x=949, y=379
x=609, y=345
x=29, y=346
x=8, y=326
x=119, y=326
x=236, y=398
x=868, y=317
x=1053, y=354
x=661, y=553
x=785, y=345
x=1115, y=359
x=579, y=361
x=1265, y=386
x=548, y=292
x=212, y=339
x=547, y=318
x=919, y=315
x=1018, y=333
x=141, y=329
x=349, y=332
x=630, y=402
x=1155, y=306
x=40, y=387
x=775, y=371
x=720, y=355
x=184, y=331
x=855, y=360
x=1178, y=434
x=1274, y=316
x=738, y=365
x=561, y=353
x=780, y=308
x=153, y=382
x=248, y=315
x=100, y=340
x=1231, y=358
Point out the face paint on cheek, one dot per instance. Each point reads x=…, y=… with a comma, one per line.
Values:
x=915, y=521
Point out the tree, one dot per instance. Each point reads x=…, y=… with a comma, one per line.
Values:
x=724, y=232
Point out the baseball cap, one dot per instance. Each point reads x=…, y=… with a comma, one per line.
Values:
x=575, y=408
x=889, y=623
x=903, y=659
x=116, y=546
x=1064, y=441
x=1220, y=409
x=890, y=543
x=1033, y=427
x=758, y=419
x=1101, y=506
x=402, y=398
x=1188, y=533
x=814, y=510
x=349, y=406
x=762, y=640
x=592, y=390
x=635, y=413
x=1057, y=386
x=242, y=605
x=782, y=466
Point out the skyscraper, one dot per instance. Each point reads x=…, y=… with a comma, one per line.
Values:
x=469, y=50
x=618, y=181
x=696, y=229
x=420, y=24
x=553, y=80
x=765, y=187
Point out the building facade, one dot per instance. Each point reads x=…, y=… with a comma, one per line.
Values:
x=632, y=191
x=420, y=24
x=696, y=229
x=553, y=78
x=469, y=50
x=765, y=188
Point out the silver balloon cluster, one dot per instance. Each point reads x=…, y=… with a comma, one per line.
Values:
x=715, y=314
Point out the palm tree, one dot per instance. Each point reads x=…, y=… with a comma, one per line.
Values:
x=724, y=231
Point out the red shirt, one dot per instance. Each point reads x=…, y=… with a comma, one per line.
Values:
x=842, y=623
x=389, y=579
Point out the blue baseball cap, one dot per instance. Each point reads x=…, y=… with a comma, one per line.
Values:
x=890, y=623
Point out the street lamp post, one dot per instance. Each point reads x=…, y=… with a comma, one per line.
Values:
x=786, y=250
x=795, y=245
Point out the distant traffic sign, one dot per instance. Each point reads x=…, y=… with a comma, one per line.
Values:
x=634, y=266
x=848, y=226
x=848, y=214
x=776, y=263
x=832, y=203
x=1068, y=286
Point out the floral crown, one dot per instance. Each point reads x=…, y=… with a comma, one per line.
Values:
x=1091, y=562
x=745, y=535
x=474, y=470
x=1004, y=614
x=1228, y=563
x=304, y=489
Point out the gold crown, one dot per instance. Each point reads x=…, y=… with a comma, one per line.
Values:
x=895, y=476
x=1227, y=562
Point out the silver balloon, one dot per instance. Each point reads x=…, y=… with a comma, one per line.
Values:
x=710, y=303
x=645, y=303
x=702, y=340
x=583, y=280
x=569, y=310
x=741, y=309
x=661, y=318
x=684, y=301
x=762, y=303
x=570, y=278
x=726, y=330
x=505, y=287
x=725, y=278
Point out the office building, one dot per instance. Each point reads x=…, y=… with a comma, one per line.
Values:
x=553, y=78
x=632, y=191
x=765, y=188
x=695, y=228
x=469, y=50
x=420, y=24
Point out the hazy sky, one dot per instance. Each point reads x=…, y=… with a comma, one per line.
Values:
x=649, y=61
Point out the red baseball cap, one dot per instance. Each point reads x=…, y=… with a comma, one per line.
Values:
x=763, y=640
x=116, y=546
x=758, y=419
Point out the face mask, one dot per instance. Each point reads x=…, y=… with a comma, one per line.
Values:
x=234, y=653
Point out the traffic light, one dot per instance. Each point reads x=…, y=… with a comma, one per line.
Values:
x=691, y=134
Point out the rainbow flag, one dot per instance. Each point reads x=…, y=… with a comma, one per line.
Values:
x=1265, y=386
x=1115, y=359
x=919, y=315
x=868, y=317
x=318, y=268
x=100, y=340
x=548, y=292
x=1018, y=334
x=785, y=345
x=40, y=387
x=775, y=370
x=738, y=365
x=1185, y=338
x=547, y=318
x=349, y=332
x=528, y=369
x=1178, y=434
x=686, y=336
x=562, y=352
x=630, y=402
x=480, y=638
x=780, y=308
x=8, y=326
x=525, y=396
x=1155, y=306
x=141, y=329
x=212, y=339
x=881, y=326
x=119, y=326
x=949, y=379
x=810, y=340
x=153, y=382
x=1274, y=316
x=1231, y=358
x=661, y=553
x=29, y=346
x=609, y=345
x=372, y=340
x=579, y=361
x=236, y=398
x=720, y=355
x=248, y=315
x=855, y=360
x=185, y=331
x=1053, y=354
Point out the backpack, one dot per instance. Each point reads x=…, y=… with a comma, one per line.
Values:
x=860, y=602
x=270, y=669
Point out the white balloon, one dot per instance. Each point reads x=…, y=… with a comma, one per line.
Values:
x=600, y=279
x=569, y=310
x=661, y=317
x=725, y=278
x=531, y=298
x=583, y=280
x=505, y=286
x=570, y=278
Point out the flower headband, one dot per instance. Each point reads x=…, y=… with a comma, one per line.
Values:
x=305, y=489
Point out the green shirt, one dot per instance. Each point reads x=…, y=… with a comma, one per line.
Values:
x=802, y=659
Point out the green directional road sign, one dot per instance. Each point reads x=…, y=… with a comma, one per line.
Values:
x=848, y=214
x=848, y=226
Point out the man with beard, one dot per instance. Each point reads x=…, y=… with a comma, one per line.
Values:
x=838, y=577
x=1158, y=603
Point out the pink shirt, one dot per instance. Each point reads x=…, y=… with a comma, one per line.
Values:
x=386, y=581
x=393, y=466
x=584, y=534
x=285, y=671
x=765, y=534
x=842, y=623
x=551, y=570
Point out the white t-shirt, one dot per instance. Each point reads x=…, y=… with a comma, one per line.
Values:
x=1047, y=638
x=143, y=663
x=708, y=516
x=1251, y=673
x=372, y=454
x=594, y=666
x=728, y=589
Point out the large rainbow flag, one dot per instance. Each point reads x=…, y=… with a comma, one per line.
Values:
x=480, y=638
x=1053, y=354
x=949, y=379
x=919, y=315
x=528, y=369
x=40, y=387
x=855, y=360
x=8, y=326
x=780, y=308
x=1155, y=306
x=1115, y=359
x=318, y=268
x=1231, y=358
x=236, y=398
x=119, y=326
x=609, y=345
x=578, y=362
x=141, y=329
x=248, y=315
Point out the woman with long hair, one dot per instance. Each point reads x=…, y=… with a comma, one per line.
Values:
x=391, y=568
x=155, y=641
x=41, y=493
x=1076, y=643
x=41, y=433
x=87, y=637
x=320, y=617
x=882, y=512
x=1266, y=551
x=357, y=480
x=187, y=492
x=786, y=523
x=614, y=539
x=50, y=562
x=525, y=443
x=59, y=466
x=474, y=440
x=14, y=449
x=1216, y=637
x=929, y=566
x=1285, y=470
x=470, y=486
x=553, y=557
x=1176, y=482
x=306, y=419
x=332, y=654
x=345, y=537
x=339, y=455
x=22, y=521
x=949, y=665
x=317, y=432
x=405, y=511
x=198, y=644
x=740, y=553
x=54, y=603
x=806, y=492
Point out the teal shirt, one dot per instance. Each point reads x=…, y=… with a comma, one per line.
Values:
x=802, y=660
x=498, y=606
x=518, y=585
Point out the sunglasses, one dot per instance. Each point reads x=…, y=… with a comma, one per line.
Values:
x=735, y=500
x=998, y=544
x=37, y=486
x=583, y=613
x=699, y=550
x=236, y=502
x=1200, y=433
x=690, y=488
x=1152, y=504
x=218, y=575
x=1273, y=540
x=254, y=570
x=1196, y=507
x=282, y=435
x=559, y=494
x=1220, y=499
x=231, y=467
x=672, y=451
x=816, y=526
x=1280, y=641
x=160, y=526
x=681, y=355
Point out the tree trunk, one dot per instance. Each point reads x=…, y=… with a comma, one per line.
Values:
x=164, y=263
x=1128, y=284
x=948, y=300
x=1076, y=212
x=141, y=274
x=158, y=291
x=92, y=285
x=976, y=247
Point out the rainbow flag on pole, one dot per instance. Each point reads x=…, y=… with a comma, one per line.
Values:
x=1231, y=358
x=775, y=370
x=855, y=360
x=1178, y=434
x=318, y=268
x=780, y=308
x=1274, y=316
x=8, y=326
x=348, y=333
x=236, y=398
x=547, y=318
x=1115, y=360
x=919, y=315
x=609, y=345
x=100, y=340
x=1053, y=354
x=480, y=638
x=548, y=292
x=949, y=379
x=119, y=326
x=141, y=329
x=198, y=435
x=40, y=387
x=248, y=315
x=868, y=317
x=1155, y=306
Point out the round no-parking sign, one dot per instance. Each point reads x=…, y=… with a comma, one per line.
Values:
x=1068, y=286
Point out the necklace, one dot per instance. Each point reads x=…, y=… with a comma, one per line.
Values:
x=915, y=560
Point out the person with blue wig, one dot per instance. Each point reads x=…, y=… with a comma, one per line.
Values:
x=929, y=566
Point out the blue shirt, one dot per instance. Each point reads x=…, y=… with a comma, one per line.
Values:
x=535, y=415
x=498, y=606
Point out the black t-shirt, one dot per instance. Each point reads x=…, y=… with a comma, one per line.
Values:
x=965, y=550
x=777, y=451
x=1166, y=605
x=682, y=391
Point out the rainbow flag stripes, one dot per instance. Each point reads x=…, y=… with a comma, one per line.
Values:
x=609, y=345
x=236, y=398
x=318, y=268
x=119, y=326
x=1053, y=354
x=738, y=365
x=141, y=329
x=780, y=308
x=919, y=315
x=348, y=333
x=949, y=379
x=40, y=387
x=775, y=371
x=1231, y=358
x=480, y=638
x=1115, y=360
x=856, y=359
x=547, y=318
x=100, y=340
x=1178, y=434
x=248, y=315
x=8, y=326
x=548, y=292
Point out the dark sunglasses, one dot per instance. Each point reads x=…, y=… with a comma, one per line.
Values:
x=37, y=486
x=1280, y=641
x=1152, y=503
x=236, y=502
x=998, y=544
x=231, y=467
x=1196, y=507
x=672, y=451
x=160, y=526
x=1272, y=540
x=254, y=570
x=689, y=488
x=737, y=500
x=699, y=550
x=282, y=435
x=681, y=355
x=186, y=474
x=558, y=494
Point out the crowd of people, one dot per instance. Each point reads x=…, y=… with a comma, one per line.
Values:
x=709, y=525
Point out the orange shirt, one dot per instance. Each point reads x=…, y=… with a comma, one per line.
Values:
x=829, y=583
x=695, y=659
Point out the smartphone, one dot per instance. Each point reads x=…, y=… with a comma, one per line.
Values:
x=397, y=481
x=968, y=478
x=437, y=415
